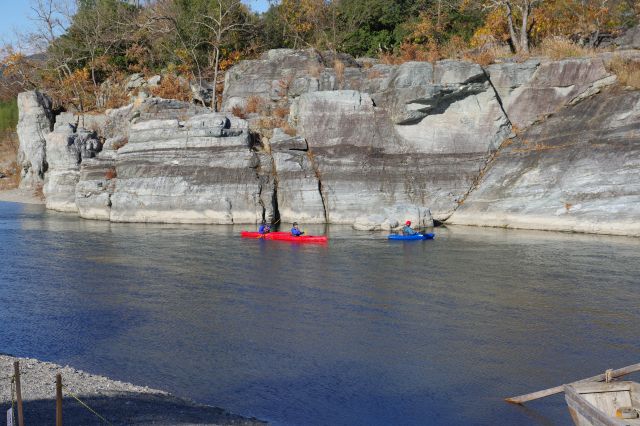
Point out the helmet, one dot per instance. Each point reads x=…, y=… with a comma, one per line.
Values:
x=408, y=222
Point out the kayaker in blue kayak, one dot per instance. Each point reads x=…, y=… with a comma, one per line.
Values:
x=264, y=228
x=295, y=231
x=407, y=229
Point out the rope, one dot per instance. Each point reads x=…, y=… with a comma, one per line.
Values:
x=74, y=396
x=608, y=375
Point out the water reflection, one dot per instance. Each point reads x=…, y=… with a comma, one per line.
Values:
x=360, y=331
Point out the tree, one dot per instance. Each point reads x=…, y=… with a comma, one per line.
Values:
x=519, y=39
x=224, y=19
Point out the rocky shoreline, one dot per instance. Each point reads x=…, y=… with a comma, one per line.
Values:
x=541, y=144
x=118, y=402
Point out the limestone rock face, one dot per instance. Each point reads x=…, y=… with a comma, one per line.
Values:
x=554, y=85
x=34, y=122
x=196, y=171
x=66, y=149
x=577, y=171
x=540, y=144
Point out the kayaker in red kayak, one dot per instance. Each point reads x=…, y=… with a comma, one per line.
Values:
x=407, y=230
x=295, y=231
x=264, y=228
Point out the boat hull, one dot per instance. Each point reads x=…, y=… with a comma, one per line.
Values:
x=595, y=404
x=417, y=237
x=285, y=236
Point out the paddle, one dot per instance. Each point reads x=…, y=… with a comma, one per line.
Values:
x=520, y=399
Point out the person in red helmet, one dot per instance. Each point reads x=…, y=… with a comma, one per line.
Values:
x=407, y=230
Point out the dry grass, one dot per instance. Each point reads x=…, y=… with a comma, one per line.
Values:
x=254, y=103
x=483, y=57
x=289, y=130
x=284, y=84
x=171, y=87
x=561, y=48
x=627, y=71
x=281, y=112
x=12, y=179
x=238, y=111
x=315, y=70
x=120, y=143
x=110, y=174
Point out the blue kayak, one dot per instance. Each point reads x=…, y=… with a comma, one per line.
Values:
x=401, y=237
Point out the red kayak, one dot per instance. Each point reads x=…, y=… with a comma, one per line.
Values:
x=284, y=236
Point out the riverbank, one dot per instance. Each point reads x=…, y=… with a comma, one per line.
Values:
x=117, y=402
x=20, y=196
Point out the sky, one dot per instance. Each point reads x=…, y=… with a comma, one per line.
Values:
x=15, y=15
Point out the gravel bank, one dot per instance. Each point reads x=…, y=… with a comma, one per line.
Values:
x=120, y=403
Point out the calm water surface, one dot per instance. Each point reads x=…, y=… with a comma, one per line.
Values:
x=360, y=332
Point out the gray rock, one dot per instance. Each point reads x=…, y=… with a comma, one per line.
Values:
x=135, y=81
x=507, y=76
x=66, y=149
x=34, y=122
x=154, y=81
x=578, y=171
x=96, y=184
x=630, y=39
x=202, y=93
x=197, y=171
x=554, y=85
x=394, y=217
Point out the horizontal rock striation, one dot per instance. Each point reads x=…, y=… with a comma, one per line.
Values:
x=534, y=144
x=196, y=171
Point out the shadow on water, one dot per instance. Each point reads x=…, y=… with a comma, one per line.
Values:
x=359, y=331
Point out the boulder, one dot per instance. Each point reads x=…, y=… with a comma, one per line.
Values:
x=393, y=217
x=154, y=81
x=202, y=93
x=135, y=81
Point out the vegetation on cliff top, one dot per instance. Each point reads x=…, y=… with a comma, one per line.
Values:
x=92, y=45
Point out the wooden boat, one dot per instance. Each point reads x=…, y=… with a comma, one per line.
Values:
x=593, y=403
x=604, y=404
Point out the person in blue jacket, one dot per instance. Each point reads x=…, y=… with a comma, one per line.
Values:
x=264, y=228
x=295, y=231
x=407, y=230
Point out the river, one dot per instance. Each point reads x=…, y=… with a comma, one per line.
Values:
x=361, y=331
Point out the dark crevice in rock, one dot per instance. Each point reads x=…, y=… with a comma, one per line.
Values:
x=492, y=157
x=274, y=195
x=316, y=171
x=440, y=103
x=498, y=98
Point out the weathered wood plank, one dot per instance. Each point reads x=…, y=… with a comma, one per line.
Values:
x=587, y=411
x=520, y=399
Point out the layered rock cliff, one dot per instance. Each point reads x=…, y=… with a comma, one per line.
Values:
x=540, y=144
